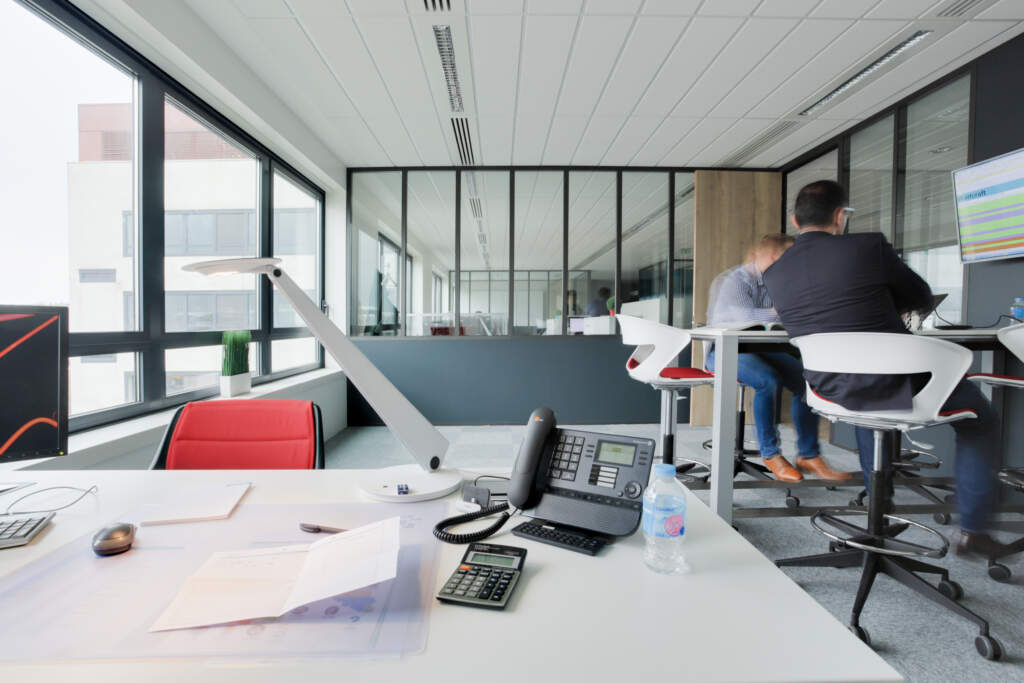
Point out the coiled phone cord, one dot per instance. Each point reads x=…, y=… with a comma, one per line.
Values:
x=441, y=528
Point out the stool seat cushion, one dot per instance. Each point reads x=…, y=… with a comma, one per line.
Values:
x=687, y=373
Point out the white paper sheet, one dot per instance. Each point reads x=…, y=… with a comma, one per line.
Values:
x=200, y=503
x=254, y=584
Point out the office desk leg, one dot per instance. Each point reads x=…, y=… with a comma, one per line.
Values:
x=723, y=430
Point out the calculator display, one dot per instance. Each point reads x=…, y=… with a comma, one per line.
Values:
x=500, y=560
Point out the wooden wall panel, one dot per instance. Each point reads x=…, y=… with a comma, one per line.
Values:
x=732, y=209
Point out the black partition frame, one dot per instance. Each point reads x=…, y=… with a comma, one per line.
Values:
x=565, y=171
x=153, y=87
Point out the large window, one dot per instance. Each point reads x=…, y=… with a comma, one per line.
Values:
x=538, y=253
x=483, y=300
x=899, y=175
x=431, y=217
x=591, y=245
x=645, y=256
x=114, y=177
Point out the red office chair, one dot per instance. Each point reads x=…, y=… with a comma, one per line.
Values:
x=250, y=434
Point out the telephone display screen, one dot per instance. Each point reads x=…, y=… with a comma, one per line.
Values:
x=616, y=453
x=500, y=560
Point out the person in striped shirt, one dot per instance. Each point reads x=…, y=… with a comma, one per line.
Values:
x=738, y=296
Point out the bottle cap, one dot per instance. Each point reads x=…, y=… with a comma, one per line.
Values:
x=665, y=470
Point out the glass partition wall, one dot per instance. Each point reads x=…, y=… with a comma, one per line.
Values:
x=518, y=252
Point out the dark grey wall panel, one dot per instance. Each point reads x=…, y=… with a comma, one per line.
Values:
x=998, y=129
x=460, y=381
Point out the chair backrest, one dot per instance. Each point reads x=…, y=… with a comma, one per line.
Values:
x=258, y=434
x=657, y=345
x=882, y=353
x=1012, y=338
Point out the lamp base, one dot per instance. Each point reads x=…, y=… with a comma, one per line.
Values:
x=383, y=484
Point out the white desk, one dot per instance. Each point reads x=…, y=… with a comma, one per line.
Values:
x=728, y=344
x=573, y=618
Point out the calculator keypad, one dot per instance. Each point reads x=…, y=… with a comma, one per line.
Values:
x=480, y=584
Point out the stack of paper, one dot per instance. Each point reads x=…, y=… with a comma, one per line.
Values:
x=258, y=584
x=200, y=503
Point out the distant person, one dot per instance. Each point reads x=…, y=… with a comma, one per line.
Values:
x=739, y=296
x=599, y=305
x=831, y=282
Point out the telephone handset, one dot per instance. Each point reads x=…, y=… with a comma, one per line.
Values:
x=574, y=478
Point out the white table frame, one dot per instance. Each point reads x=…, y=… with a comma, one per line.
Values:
x=728, y=344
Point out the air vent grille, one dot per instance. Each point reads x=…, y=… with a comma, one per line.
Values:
x=958, y=8
x=437, y=5
x=760, y=143
x=460, y=126
x=446, y=50
x=476, y=208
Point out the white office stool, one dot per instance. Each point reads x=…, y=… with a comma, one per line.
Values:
x=875, y=547
x=657, y=346
x=1012, y=338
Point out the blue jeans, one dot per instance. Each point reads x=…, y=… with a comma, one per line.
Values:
x=765, y=373
x=977, y=455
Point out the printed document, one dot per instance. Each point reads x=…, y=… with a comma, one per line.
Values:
x=201, y=503
x=270, y=582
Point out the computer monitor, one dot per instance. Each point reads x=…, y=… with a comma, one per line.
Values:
x=990, y=208
x=33, y=382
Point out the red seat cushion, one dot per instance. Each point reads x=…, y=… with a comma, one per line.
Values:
x=686, y=373
x=257, y=434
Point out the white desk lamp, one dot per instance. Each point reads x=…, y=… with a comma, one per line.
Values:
x=427, y=445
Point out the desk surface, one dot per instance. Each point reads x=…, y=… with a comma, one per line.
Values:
x=574, y=617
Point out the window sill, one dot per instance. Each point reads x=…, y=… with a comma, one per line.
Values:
x=94, y=446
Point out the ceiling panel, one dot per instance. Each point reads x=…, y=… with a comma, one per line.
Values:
x=1005, y=9
x=902, y=9
x=631, y=138
x=495, y=143
x=613, y=6
x=667, y=136
x=800, y=140
x=671, y=7
x=599, y=43
x=529, y=139
x=393, y=46
x=546, y=44
x=494, y=47
x=566, y=133
x=737, y=135
x=854, y=46
x=648, y=45
x=757, y=37
x=493, y=6
x=597, y=138
x=572, y=7
x=704, y=39
x=810, y=37
x=263, y=9
x=843, y=9
x=700, y=135
x=729, y=8
x=785, y=8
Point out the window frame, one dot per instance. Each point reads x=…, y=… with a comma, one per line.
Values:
x=153, y=87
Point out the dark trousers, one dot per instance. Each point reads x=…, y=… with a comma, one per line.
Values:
x=977, y=455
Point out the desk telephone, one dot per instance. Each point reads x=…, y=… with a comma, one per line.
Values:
x=566, y=477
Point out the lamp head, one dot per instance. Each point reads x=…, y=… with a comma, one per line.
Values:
x=233, y=265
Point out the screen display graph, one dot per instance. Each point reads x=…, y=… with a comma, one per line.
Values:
x=990, y=208
x=33, y=382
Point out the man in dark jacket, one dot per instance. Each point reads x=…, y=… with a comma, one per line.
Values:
x=831, y=282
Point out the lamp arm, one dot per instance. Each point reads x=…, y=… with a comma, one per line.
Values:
x=415, y=432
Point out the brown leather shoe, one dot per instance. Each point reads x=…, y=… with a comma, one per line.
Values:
x=818, y=467
x=781, y=468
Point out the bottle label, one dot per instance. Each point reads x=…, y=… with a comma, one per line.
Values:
x=664, y=517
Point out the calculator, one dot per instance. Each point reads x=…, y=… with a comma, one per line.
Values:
x=486, y=576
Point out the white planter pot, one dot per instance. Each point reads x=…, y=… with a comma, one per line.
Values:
x=235, y=385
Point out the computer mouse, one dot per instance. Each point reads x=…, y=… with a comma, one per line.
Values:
x=114, y=539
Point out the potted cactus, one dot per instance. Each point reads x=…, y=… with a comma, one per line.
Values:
x=235, y=378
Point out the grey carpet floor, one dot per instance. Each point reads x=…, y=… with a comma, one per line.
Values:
x=922, y=641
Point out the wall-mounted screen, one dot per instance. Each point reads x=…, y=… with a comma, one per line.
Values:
x=33, y=382
x=990, y=208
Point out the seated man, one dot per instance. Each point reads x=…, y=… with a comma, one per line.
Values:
x=737, y=296
x=831, y=282
x=598, y=306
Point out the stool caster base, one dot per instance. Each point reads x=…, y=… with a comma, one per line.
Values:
x=988, y=647
x=999, y=572
x=951, y=589
x=861, y=633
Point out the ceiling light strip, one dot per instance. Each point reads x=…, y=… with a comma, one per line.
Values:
x=446, y=50
x=867, y=71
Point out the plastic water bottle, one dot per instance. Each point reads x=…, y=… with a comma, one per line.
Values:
x=664, y=522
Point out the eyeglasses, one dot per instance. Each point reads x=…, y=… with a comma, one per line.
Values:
x=847, y=210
